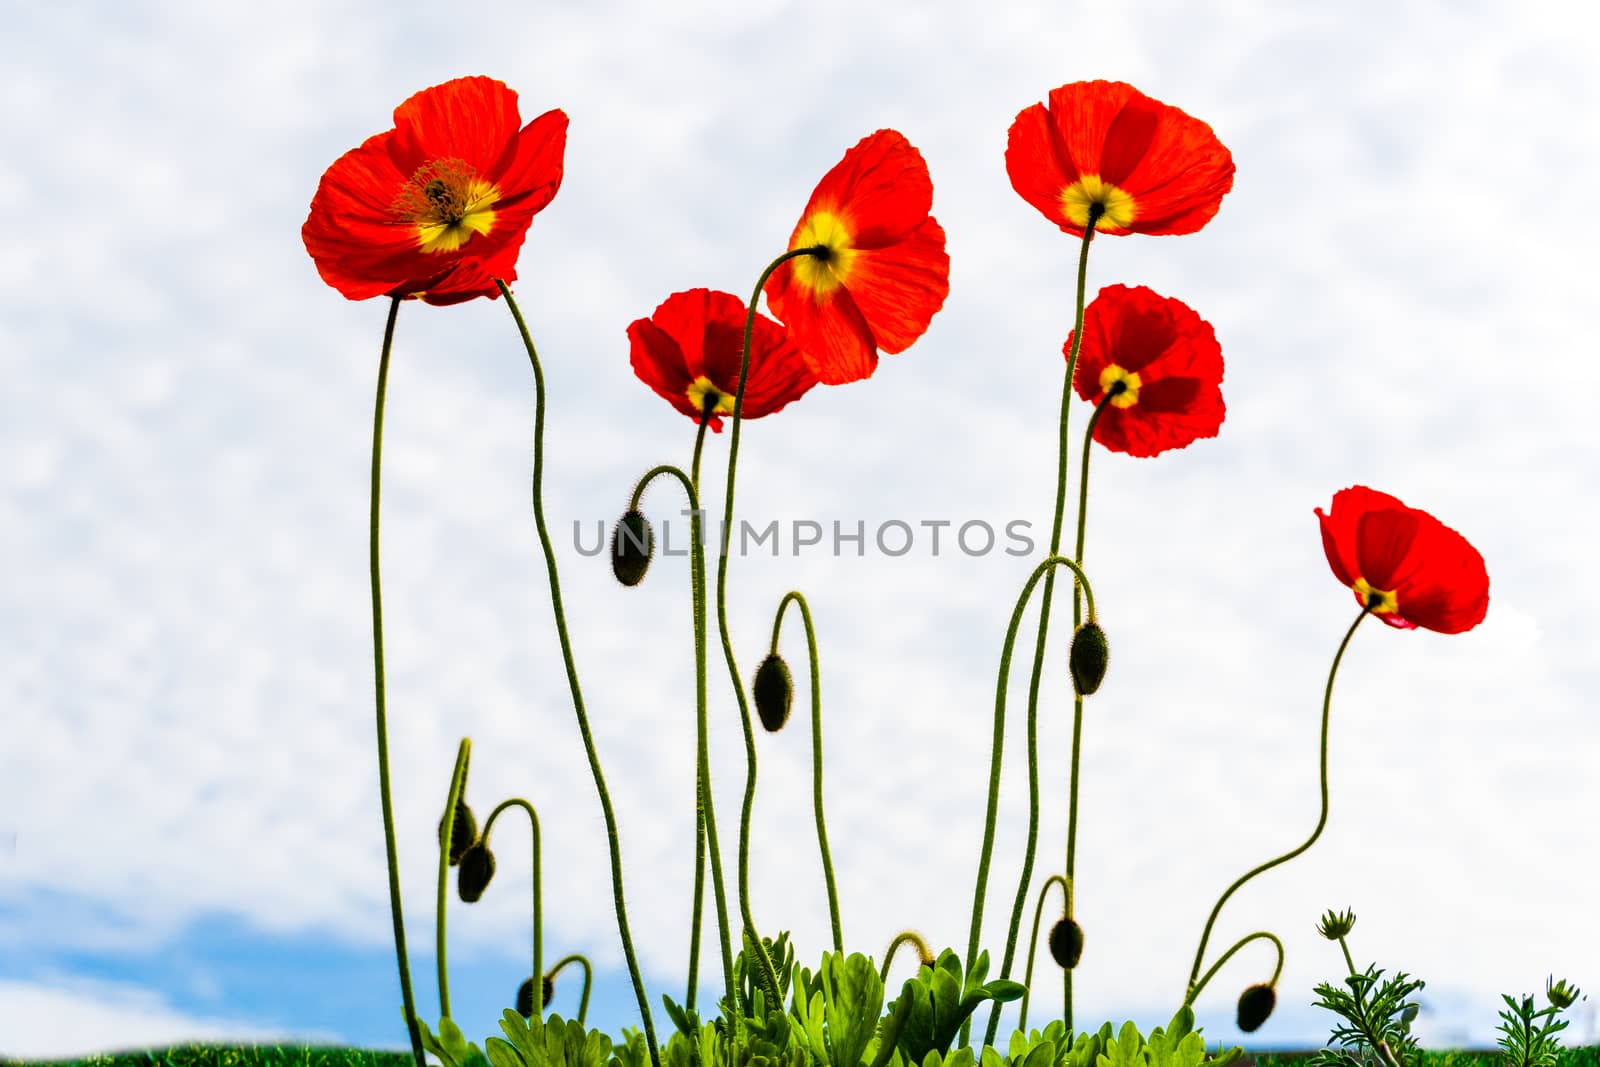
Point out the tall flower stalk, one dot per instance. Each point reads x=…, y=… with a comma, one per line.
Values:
x=408, y=1002
x=572, y=675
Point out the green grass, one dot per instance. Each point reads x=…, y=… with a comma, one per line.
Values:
x=305, y=1056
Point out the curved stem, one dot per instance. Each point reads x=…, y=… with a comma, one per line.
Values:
x=447, y=840
x=1041, y=642
x=572, y=676
x=816, y=753
x=702, y=771
x=408, y=1003
x=1322, y=818
x=765, y=971
x=1048, y=566
x=1237, y=945
x=538, y=915
x=924, y=954
x=1033, y=943
x=706, y=815
x=588, y=980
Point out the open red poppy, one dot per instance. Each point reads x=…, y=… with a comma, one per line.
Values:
x=689, y=350
x=1106, y=150
x=884, y=271
x=437, y=207
x=1160, y=364
x=1413, y=569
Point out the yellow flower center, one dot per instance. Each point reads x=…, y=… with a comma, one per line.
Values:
x=1386, y=601
x=447, y=203
x=1128, y=395
x=702, y=394
x=1116, y=207
x=823, y=272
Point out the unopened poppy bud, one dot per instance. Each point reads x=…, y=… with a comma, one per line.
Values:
x=632, y=545
x=1088, y=658
x=1066, y=943
x=525, y=995
x=1560, y=995
x=464, y=834
x=773, y=690
x=1255, y=1004
x=1335, y=925
x=477, y=867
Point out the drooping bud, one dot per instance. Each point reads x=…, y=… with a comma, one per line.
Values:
x=1088, y=658
x=477, y=867
x=1255, y=1004
x=547, y=989
x=773, y=690
x=1559, y=995
x=1066, y=943
x=1335, y=925
x=464, y=834
x=632, y=545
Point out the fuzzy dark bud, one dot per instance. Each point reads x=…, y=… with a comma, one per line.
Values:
x=1066, y=943
x=464, y=834
x=632, y=545
x=477, y=868
x=1088, y=658
x=525, y=995
x=1255, y=1004
x=773, y=691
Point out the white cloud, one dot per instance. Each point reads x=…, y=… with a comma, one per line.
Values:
x=69, y=1017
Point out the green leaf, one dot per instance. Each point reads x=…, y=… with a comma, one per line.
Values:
x=853, y=1001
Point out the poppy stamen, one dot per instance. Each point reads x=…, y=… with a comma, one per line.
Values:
x=1378, y=601
x=708, y=399
x=447, y=201
x=833, y=252
x=1120, y=386
x=1090, y=202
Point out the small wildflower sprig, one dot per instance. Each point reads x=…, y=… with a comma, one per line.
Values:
x=1529, y=1047
x=1378, y=1021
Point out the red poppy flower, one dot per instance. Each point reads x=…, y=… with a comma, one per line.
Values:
x=437, y=207
x=1104, y=148
x=689, y=351
x=1160, y=362
x=884, y=272
x=1414, y=569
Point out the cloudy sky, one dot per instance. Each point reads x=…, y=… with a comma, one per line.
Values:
x=190, y=837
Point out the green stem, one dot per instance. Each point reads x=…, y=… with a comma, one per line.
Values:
x=701, y=770
x=447, y=840
x=1322, y=818
x=766, y=973
x=1033, y=944
x=816, y=753
x=1077, y=697
x=1237, y=945
x=1041, y=642
x=706, y=815
x=905, y=937
x=588, y=980
x=1048, y=566
x=1348, y=962
x=572, y=675
x=408, y=1003
x=538, y=914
